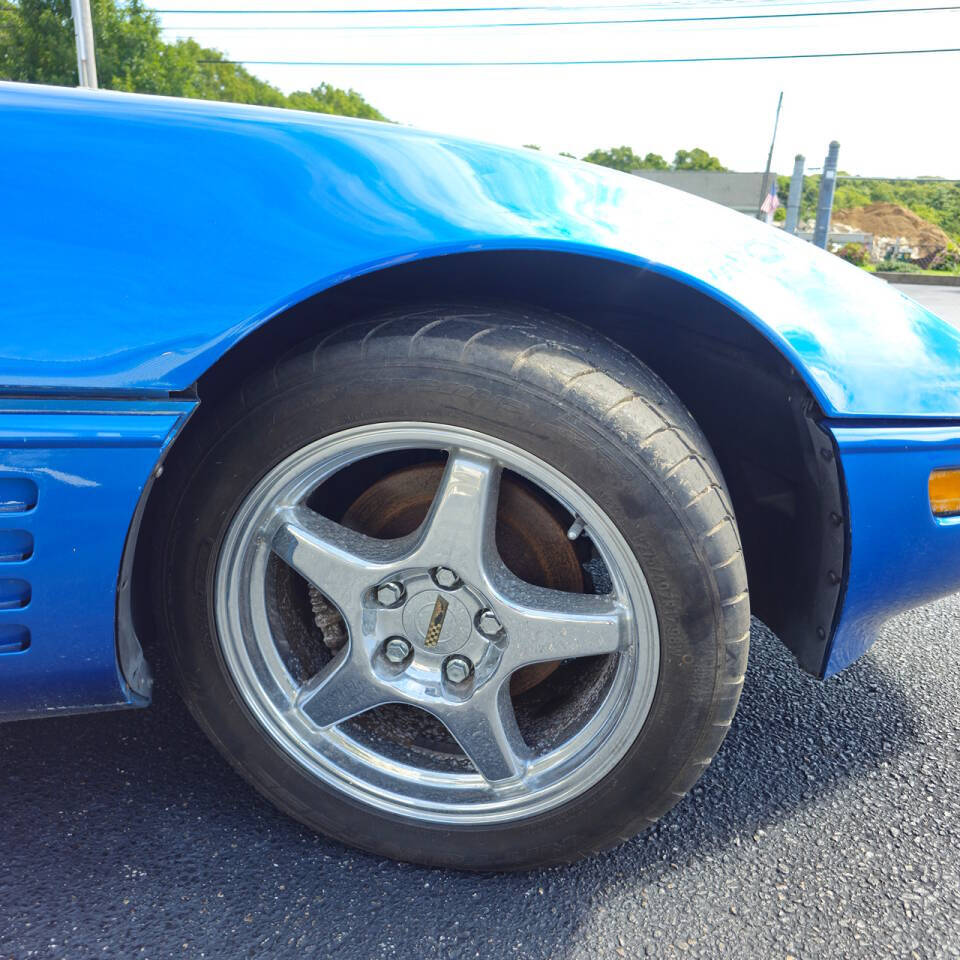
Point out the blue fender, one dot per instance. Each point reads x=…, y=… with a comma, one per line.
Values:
x=71, y=475
x=145, y=236
x=901, y=555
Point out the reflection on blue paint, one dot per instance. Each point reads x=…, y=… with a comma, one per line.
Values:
x=204, y=220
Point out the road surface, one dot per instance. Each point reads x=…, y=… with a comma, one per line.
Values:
x=828, y=826
x=944, y=301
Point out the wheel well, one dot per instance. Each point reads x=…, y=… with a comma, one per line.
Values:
x=758, y=415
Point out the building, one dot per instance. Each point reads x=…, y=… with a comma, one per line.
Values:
x=739, y=191
x=840, y=235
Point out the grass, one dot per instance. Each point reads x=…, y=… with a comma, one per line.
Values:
x=874, y=267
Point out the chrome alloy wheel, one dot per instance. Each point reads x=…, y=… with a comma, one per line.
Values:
x=467, y=623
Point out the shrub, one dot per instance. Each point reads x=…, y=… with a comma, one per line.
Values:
x=855, y=253
x=948, y=260
x=898, y=266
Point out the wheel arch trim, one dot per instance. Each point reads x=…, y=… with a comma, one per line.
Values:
x=823, y=392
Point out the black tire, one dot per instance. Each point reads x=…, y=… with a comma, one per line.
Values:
x=550, y=387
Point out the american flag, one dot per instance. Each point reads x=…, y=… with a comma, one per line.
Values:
x=771, y=201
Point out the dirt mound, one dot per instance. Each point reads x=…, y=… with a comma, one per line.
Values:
x=891, y=220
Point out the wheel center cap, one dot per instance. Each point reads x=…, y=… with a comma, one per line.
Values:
x=438, y=621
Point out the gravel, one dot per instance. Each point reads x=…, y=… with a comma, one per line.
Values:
x=828, y=826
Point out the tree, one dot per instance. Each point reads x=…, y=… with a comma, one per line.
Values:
x=617, y=158
x=696, y=159
x=37, y=46
x=653, y=161
x=330, y=99
x=623, y=158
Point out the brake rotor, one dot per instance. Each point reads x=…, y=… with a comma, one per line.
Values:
x=531, y=534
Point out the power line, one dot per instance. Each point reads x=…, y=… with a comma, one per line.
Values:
x=530, y=8
x=584, y=23
x=853, y=176
x=377, y=10
x=577, y=63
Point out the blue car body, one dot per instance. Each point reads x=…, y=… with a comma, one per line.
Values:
x=144, y=238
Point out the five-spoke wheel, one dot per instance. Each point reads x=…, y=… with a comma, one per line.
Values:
x=435, y=620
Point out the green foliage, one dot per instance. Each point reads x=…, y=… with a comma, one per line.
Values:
x=849, y=195
x=37, y=46
x=948, y=260
x=653, y=161
x=37, y=41
x=329, y=99
x=783, y=192
x=780, y=214
x=898, y=266
x=623, y=158
x=855, y=253
x=696, y=159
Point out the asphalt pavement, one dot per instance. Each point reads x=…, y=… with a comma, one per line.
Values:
x=827, y=826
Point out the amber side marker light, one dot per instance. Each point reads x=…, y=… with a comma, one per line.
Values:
x=945, y=493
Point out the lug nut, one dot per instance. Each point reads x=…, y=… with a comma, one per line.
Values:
x=396, y=649
x=446, y=578
x=458, y=669
x=488, y=623
x=389, y=594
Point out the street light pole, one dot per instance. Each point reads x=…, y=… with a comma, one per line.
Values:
x=795, y=195
x=86, y=58
x=766, y=173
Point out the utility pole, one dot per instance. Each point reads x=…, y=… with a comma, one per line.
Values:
x=795, y=195
x=828, y=183
x=86, y=58
x=765, y=189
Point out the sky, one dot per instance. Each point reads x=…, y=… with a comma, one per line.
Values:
x=892, y=115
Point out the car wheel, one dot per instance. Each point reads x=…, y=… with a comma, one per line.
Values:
x=460, y=586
